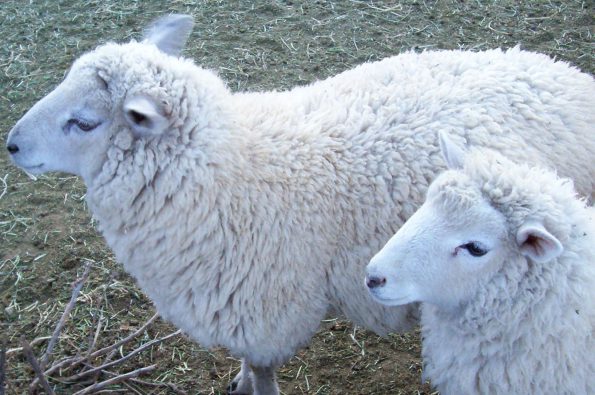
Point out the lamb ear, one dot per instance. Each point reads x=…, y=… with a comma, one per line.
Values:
x=454, y=156
x=144, y=116
x=537, y=243
x=170, y=33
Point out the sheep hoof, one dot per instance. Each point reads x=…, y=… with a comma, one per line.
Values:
x=231, y=390
x=239, y=385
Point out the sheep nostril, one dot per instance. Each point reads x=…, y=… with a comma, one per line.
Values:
x=375, y=281
x=12, y=148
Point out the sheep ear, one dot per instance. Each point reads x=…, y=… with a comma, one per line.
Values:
x=144, y=116
x=454, y=156
x=170, y=33
x=537, y=243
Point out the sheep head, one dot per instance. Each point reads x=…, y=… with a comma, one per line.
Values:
x=466, y=231
x=110, y=96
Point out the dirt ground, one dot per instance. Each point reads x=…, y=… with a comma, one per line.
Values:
x=46, y=233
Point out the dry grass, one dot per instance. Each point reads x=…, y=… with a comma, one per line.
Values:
x=45, y=230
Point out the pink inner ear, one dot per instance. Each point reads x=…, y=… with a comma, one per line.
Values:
x=537, y=243
x=532, y=240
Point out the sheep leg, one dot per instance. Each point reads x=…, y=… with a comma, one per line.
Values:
x=265, y=381
x=242, y=383
x=254, y=380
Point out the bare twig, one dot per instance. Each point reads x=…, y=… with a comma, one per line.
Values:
x=130, y=387
x=110, y=356
x=36, y=368
x=78, y=284
x=90, y=355
x=33, y=343
x=125, y=340
x=5, y=186
x=123, y=359
x=171, y=386
x=93, y=340
x=75, y=292
x=114, y=380
x=69, y=362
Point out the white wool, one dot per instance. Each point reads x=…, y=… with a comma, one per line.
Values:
x=251, y=213
x=507, y=322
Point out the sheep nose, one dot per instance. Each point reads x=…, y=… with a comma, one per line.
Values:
x=375, y=281
x=12, y=148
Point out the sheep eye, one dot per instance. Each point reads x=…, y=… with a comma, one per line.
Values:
x=475, y=249
x=137, y=117
x=85, y=126
x=103, y=82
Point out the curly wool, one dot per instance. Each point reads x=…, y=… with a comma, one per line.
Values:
x=255, y=212
x=531, y=327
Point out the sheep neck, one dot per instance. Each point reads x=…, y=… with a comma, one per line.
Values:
x=150, y=193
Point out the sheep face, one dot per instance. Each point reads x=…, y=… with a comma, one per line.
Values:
x=99, y=108
x=110, y=96
x=442, y=254
x=68, y=130
x=460, y=238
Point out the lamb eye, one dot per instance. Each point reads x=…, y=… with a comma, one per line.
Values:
x=475, y=249
x=85, y=126
x=103, y=82
x=137, y=117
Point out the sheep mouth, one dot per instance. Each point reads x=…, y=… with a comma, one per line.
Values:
x=31, y=171
x=18, y=161
x=32, y=168
x=391, y=301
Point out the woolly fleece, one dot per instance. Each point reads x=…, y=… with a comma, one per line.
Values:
x=259, y=210
x=530, y=327
x=255, y=212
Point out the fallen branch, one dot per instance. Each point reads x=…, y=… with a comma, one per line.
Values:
x=36, y=368
x=123, y=359
x=34, y=342
x=75, y=293
x=99, y=386
x=125, y=340
x=83, y=363
x=93, y=340
x=171, y=386
x=70, y=363
x=66, y=362
x=110, y=356
x=5, y=188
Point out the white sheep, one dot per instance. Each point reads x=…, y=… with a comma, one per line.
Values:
x=244, y=216
x=502, y=257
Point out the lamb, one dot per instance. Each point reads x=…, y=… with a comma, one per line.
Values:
x=245, y=216
x=502, y=257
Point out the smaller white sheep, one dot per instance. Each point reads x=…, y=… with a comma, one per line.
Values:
x=503, y=258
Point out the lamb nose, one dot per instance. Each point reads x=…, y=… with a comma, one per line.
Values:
x=12, y=148
x=375, y=281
